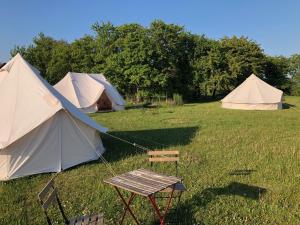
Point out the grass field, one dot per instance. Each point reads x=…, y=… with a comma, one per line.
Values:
x=240, y=167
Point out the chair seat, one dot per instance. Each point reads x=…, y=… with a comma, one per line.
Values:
x=178, y=187
x=95, y=219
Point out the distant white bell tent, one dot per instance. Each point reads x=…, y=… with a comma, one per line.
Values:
x=254, y=94
x=40, y=130
x=90, y=92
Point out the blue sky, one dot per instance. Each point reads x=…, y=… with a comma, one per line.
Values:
x=275, y=24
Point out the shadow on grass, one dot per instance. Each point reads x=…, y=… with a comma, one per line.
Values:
x=151, y=139
x=184, y=215
x=287, y=106
x=146, y=105
x=236, y=188
x=187, y=209
x=207, y=99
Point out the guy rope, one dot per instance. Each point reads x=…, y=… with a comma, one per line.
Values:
x=138, y=146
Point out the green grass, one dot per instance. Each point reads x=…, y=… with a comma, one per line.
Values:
x=215, y=144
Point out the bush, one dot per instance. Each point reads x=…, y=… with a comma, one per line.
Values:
x=177, y=98
x=295, y=90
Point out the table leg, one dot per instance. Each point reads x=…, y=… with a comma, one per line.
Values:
x=168, y=206
x=160, y=216
x=155, y=206
x=127, y=206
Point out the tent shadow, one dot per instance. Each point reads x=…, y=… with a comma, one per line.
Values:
x=207, y=99
x=287, y=106
x=151, y=139
x=141, y=106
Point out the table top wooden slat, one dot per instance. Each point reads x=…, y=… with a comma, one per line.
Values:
x=158, y=177
x=127, y=187
x=133, y=183
x=142, y=182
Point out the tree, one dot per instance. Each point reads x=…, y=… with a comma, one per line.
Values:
x=49, y=56
x=147, y=61
x=294, y=74
x=18, y=49
x=161, y=59
x=128, y=65
x=60, y=62
x=171, y=56
x=106, y=36
x=219, y=66
x=40, y=52
x=203, y=65
x=83, y=53
x=244, y=57
x=276, y=72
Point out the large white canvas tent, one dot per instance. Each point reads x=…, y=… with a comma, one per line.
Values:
x=40, y=130
x=254, y=94
x=90, y=92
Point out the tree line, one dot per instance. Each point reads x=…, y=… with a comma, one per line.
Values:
x=162, y=59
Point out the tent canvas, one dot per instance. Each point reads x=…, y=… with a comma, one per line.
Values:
x=40, y=130
x=254, y=94
x=90, y=92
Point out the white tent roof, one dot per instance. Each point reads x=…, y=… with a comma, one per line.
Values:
x=27, y=101
x=84, y=90
x=254, y=91
x=113, y=92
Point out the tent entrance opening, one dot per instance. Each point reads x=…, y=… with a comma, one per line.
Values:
x=104, y=103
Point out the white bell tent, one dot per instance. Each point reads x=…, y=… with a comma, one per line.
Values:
x=40, y=130
x=254, y=94
x=90, y=92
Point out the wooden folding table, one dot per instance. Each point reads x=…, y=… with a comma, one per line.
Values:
x=144, y=183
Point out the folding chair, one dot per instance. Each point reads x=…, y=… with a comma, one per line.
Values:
x=168, y=156
x=49, y=197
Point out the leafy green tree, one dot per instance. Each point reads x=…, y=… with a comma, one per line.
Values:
x=243, y=57
x=161, y=59
x=294, y=74
x=215, y=67
x=207, y=63
x=219, y=66
x=40, y=52
x=128, y=65
x=60, y=62
x=149, y=61
x=202, y=46
x=49, y=56
x=105, y=38
x=19, y=49
x=276, y=72
x=82, y=54
x=171, y=47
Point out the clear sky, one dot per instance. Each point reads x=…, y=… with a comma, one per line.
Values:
x=275, y=24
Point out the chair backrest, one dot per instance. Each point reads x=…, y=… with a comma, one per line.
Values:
x=164, y=156
x=49, y=197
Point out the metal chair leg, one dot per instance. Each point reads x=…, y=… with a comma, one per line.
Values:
x=178, y=202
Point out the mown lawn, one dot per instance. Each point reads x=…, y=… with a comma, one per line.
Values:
x=240, y=167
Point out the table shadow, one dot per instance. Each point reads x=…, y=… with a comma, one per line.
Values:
x=187, y=209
